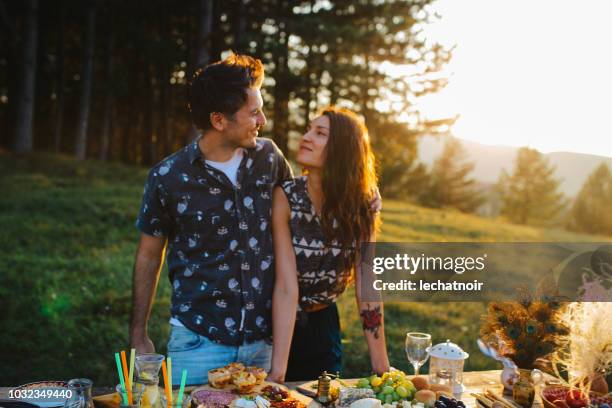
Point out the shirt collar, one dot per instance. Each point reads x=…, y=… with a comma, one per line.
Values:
x=194, y=151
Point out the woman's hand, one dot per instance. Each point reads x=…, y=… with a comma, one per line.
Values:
x=381, y=367
x=276, y=376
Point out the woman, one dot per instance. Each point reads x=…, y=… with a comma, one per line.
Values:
x=318, y=223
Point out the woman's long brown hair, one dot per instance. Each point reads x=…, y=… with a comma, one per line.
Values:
x=348, y=181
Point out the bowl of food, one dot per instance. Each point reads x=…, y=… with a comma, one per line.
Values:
x=559, y=396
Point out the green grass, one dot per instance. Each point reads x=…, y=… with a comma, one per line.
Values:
x=68, y=242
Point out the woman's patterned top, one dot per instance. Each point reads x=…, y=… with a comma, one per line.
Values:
x=321, y=275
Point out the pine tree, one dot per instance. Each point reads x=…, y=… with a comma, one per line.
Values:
x=450, y=184
x=530, y=194
x=591, y=209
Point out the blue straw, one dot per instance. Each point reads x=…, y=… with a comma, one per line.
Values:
x=121, y=379
x=182, y=389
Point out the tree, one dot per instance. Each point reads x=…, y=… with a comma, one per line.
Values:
x=591, y=209
x=530, y=194
x=85, y=104
x=450, y=184
x=25, y=105
x=108, y=93
x=60, y=77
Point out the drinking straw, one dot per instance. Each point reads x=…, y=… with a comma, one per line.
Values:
x=121, y=380
x=132, y=358
x=128, y=384
x=169, y=367
x=166, y=385
x=182, y=389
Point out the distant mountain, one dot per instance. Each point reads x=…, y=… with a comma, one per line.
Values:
x=572, y=168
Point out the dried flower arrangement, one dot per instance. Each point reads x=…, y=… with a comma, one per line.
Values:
x=525, y=331
x=585, y=349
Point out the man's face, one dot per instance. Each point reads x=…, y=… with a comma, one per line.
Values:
x=242, y=130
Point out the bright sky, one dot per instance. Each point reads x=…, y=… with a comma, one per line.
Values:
x=528, y=73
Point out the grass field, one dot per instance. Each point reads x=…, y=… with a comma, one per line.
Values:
x=68, y=241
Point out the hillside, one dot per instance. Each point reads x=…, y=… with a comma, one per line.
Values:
x=68, y=245
x=571, y=168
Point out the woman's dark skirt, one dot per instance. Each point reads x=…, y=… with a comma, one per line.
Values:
x=316, y=345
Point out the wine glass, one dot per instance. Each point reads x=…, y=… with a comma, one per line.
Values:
x=417, y=349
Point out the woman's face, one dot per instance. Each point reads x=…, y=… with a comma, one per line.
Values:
x=312, y=144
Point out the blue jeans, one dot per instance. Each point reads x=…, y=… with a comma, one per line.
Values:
x=198, y=355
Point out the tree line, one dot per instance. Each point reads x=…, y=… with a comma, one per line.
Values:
x=106, y=78
x=527, y=195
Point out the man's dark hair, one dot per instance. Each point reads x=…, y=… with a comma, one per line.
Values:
x=222, y=87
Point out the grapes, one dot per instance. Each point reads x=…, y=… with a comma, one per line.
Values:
x=447, y=402
x=387, y=390
x=444, y=399
x=375, y=381
x=394, y=385
x=363, y=383
x=402, y=391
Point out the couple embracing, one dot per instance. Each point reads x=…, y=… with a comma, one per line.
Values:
x=257, y=257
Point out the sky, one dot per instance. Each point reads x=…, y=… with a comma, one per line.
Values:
x=527, y=73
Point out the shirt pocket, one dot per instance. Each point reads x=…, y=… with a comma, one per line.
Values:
x=261, y=194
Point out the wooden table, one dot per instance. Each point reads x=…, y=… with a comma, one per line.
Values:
x=475, y=381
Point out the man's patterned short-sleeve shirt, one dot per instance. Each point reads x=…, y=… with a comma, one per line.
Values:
x=220, y=254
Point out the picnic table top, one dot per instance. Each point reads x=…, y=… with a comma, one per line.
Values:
x=474, y=381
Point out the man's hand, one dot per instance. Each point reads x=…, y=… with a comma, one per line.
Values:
x=376, y=203
x=143, y=345
x=149, y=260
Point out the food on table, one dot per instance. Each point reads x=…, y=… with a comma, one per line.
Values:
x=440, y=387
x=274, y=393
x=366, y=403
x=421, y=383
x=279, y=398
x=250, y=402
x=219, y=377
x=261, y=402
x=560, y=403
x=244, y=381
x=427, y=397
x=259, y=373
x=235, y=367
x=391, y=387
x=561, y=397
x=244, y=378
x=349, y=395
x=443, y=394
x=448, y=402
x=203, y=398
x=245, y=403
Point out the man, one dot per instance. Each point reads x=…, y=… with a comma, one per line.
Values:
x=208, y=206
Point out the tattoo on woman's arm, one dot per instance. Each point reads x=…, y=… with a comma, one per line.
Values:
x=371, y=320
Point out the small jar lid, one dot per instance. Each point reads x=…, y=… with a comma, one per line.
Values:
x=448, y=351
